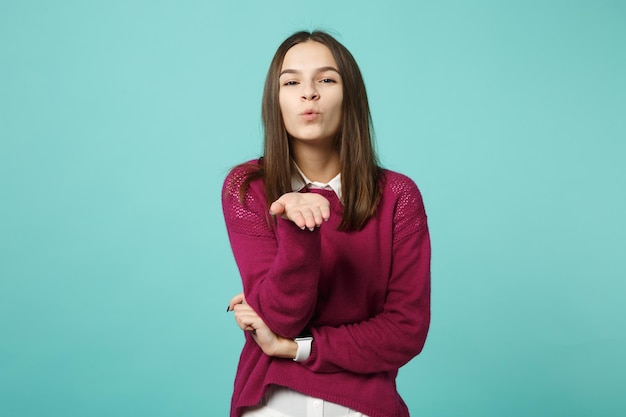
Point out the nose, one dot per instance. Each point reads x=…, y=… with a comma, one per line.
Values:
x=310, y=92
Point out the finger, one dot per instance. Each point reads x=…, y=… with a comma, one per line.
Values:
x=240, y=323
x=245, y=321
x=298, y=218
x=309, y=219
x=277, y=208
x=318, y=215
x=238, y=299
x=325, y=211
x=243, y=309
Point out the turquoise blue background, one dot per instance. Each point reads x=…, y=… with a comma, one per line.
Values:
x=119, y=120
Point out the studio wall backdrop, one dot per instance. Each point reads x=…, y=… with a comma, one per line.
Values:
x=120, y=119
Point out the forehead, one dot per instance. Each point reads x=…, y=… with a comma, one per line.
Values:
x=308, y=55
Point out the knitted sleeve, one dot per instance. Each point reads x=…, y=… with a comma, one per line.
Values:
x=390, y=339
x=277, y=261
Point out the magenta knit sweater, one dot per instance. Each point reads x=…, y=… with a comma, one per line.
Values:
x=365, y=296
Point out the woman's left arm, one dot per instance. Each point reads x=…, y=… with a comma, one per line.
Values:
x=393, y=337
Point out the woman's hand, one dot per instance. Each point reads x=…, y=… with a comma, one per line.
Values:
x=248, y=320
x=304, y=209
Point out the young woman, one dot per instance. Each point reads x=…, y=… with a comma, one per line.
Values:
x=333, y=251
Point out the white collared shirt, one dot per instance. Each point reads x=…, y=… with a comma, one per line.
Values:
x=298, y=182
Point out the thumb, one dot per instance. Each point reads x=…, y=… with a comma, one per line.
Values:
x=277, y=208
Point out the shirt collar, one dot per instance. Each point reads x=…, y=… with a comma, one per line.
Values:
x=298, y=182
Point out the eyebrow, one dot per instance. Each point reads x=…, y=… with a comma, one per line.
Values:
x=321, y=69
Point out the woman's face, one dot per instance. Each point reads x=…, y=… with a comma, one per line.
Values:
x=311, y=93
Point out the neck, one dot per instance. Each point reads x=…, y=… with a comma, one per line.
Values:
x=317, y=164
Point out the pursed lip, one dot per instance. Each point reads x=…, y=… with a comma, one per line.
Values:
x=309, y=114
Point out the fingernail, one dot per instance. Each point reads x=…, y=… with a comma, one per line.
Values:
x=303, y=227
x=311, y=228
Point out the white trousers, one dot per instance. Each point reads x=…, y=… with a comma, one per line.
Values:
x=265, y=411
x=284, y=402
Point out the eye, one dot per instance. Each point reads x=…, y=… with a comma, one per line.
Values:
x=327, y=80
x=288, y=83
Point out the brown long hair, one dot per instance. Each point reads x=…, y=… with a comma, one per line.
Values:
x=361, y=175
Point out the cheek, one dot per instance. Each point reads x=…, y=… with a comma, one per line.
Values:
x=338, y=109
x=285, y=101
x=285, y=113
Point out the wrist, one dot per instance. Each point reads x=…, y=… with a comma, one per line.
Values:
x=304, y=344
x=286, y=348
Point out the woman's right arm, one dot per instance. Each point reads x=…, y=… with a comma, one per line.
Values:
x=278, y=262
